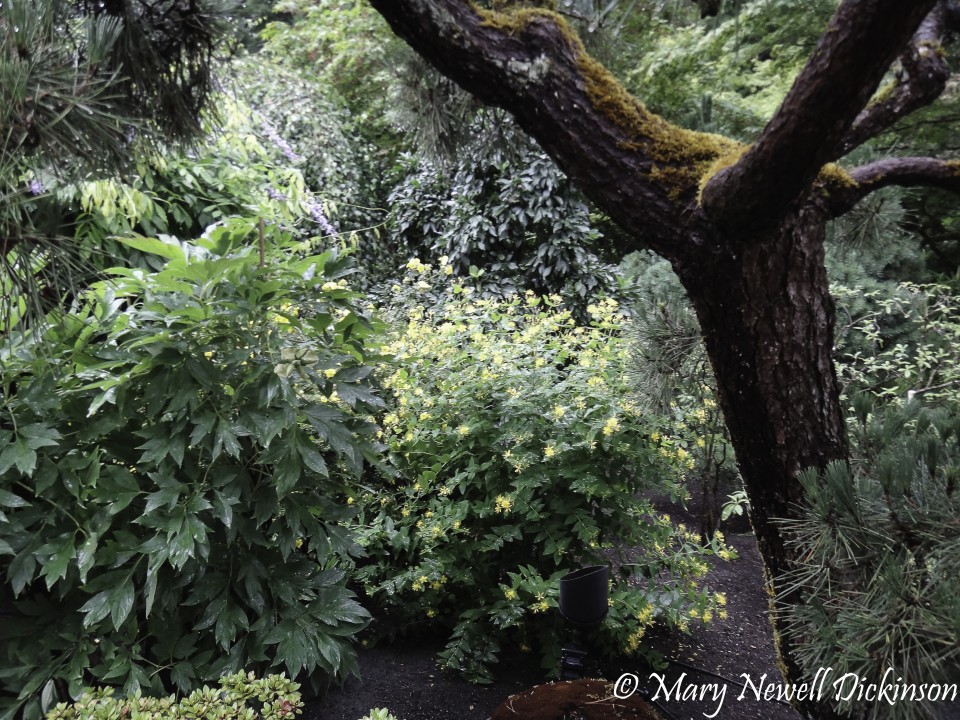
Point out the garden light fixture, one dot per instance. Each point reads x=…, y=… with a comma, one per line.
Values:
x=584, y=602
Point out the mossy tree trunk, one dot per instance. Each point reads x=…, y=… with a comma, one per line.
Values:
x=767, y=319
x=742, y=227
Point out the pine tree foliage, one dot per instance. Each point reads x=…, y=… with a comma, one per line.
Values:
x=881, y=547
x=79, y=79
x=86, y=88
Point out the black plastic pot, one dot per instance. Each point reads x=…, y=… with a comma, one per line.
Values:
x=584, y=595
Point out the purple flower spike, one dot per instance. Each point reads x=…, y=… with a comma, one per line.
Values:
x=36, y=187
x=280, y=143
x=274, y=194
x=316, y=212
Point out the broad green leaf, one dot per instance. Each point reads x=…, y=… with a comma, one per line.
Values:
x=38, y=435
x=96, y=608
x=153, y=246
x=20, y=572
x=55, y=568
x=121, y=602
x=20, y=454
x=86, y=555
x=8, y=499
x=313, y=459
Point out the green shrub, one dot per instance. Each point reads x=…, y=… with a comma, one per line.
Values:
x=900, y=344
x=520, y=458
x=880, y=568
x=174, y=453
x=239, y=697
x=879, y=537
x=507, y=209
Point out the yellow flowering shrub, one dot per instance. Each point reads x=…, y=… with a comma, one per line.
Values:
x=521, y=457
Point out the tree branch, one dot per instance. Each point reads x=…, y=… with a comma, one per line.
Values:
x=861, y=42
x=905, y=172
x=530, y=63
x=922, y=79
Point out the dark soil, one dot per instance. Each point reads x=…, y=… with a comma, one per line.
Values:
x=404, y=677
x=707, y=668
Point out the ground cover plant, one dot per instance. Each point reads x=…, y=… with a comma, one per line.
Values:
x=173, y=452
x=239, y=696
x=520, y=456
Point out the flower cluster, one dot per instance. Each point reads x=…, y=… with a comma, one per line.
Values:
x=491, y=486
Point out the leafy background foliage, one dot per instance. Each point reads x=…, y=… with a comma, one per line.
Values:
x=170, y=450
x=507, y=210
x=218, y=506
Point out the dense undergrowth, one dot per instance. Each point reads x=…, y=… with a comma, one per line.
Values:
x=316, y=374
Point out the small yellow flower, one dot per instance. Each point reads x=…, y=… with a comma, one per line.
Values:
x=559, y=411
x=463, y=430
x=330, y=372
x=349, y=501
x=510, y=594
x=503, y=504
x=431, y=612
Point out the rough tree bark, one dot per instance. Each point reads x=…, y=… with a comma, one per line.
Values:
x=742, y=226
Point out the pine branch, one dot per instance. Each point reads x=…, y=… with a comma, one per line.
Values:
x=922, y=80
x=862, y=41
x=905, y=172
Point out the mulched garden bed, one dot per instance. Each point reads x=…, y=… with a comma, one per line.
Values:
x=404, y=678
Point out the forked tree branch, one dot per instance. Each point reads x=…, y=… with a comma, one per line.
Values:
x=861, y=42
x=638, y=168
x=903, y=172
x=922, y=80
